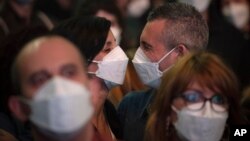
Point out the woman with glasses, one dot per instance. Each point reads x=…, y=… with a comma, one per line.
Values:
x=197, y=100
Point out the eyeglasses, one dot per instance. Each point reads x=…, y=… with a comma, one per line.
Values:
x=196, y=101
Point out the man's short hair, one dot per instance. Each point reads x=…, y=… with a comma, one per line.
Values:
x=184, y=25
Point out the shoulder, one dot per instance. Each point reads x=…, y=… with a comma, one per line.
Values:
x=134, y=97
x=136, y=100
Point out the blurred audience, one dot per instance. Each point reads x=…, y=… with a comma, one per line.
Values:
x=237, y=12
x=224, y=39
x=55, y=11
x=109, y=11
x=16, y=15
x=5, y=136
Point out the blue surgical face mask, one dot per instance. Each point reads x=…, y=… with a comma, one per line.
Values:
x=149, y=71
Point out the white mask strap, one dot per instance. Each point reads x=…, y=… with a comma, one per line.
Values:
x=165, y=55
x=94, y=61
x=175, y=109
x=91, y=72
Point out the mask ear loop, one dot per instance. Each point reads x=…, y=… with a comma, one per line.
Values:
x=165, y=55
x=94, y=61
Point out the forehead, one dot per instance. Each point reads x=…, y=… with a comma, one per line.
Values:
x=206, y=90
x=154, y=28
x=49, y=55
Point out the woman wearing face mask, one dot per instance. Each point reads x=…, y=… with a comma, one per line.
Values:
x=197, y=100
x=112, y=13
x=106, y=67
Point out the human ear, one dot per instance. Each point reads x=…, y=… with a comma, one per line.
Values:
x=18, y=109
x=182, y=50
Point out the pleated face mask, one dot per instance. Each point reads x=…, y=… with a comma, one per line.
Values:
x=112, y=68
x=60, y=108
x=200, y=125
x=149, y=71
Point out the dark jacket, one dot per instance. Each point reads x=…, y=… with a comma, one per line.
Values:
x=113, y=119
x=134, y=113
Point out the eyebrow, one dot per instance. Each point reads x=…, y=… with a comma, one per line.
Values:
x=193, y=89
x=68, y=66
x=40, y=72
x=144, y=43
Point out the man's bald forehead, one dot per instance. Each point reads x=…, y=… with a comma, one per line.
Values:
x=46, y=45
x=45, y=42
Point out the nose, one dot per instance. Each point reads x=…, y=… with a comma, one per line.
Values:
x=207, y=110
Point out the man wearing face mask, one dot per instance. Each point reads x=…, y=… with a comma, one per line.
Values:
x=52, y=91
x=168, y=34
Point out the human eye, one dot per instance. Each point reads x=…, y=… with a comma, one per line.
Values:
x=38, y=79
x=107, y=49
x=145, y=46
x=192, y=97
x=69, y=71
x=109, y=45
x=218, y=99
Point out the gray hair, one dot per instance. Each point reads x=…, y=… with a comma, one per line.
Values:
x=184, y=25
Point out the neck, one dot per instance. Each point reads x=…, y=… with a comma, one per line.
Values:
x=23, y=11
x=102, y=126
x=99, y=119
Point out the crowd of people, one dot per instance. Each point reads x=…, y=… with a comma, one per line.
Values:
x=124, y=70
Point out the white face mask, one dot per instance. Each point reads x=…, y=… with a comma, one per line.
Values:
x=200, y=125
x=137, y=7
x=60, y=108
x=237, y=14
x=117, y=34
x=112, y=68
x=149, y=71
x=200, y=5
